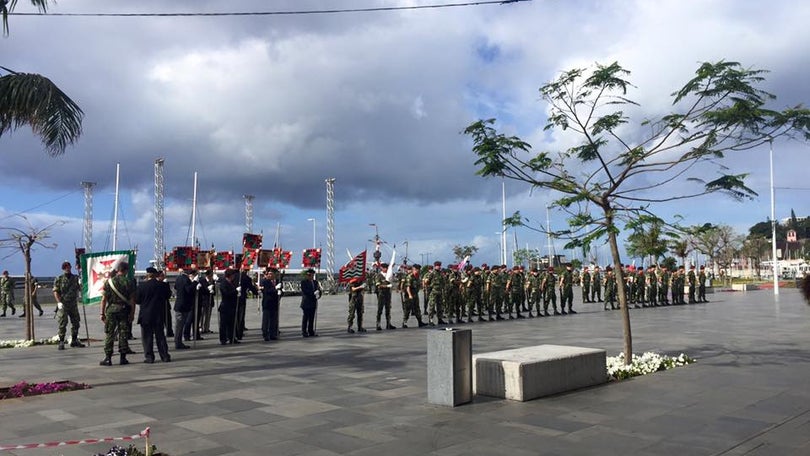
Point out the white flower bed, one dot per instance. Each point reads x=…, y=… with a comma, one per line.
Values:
x=22, y=343
x=645, y=364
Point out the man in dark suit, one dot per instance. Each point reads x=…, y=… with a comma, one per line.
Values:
x=185, y=288
x=151, y=296
x=310, y=292
x=271, y=298
x=227, y=307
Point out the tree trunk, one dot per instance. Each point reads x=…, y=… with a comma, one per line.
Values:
x=617, y=265
x=27, y=304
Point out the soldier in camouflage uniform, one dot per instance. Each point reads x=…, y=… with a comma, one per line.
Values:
x=596, y=285
x=66, y=291
x=585, y=283
x=663, y=286
x=691, y=279
x=496, y=288
x=678, y=285
x=610, y=289
x=455, y=305
x=486, y=302
x=514, y=292
x=567, y=290
x=534, y=293
x=474, y=294
x=701, y=297
x=410, y=292
x=117, y=310
x=356, y=287
x=7, y=293
x=383, y=287
x=652, y=287
x=434, y=286
x=549, y=285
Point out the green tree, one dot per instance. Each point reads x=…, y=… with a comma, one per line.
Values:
x=648, y=239
x=614, y=172
x=527, y=257
x=755, y=248
x=463, y=251
x=718, y=242
x=680, y=248
x=34, y=100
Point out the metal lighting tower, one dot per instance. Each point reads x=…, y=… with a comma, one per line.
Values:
x=330, y=232
x=159, y=253
x=775, y=262
x=88, y=215
x=249, y=213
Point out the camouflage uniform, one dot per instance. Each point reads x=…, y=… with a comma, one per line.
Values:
x=474, y=295
x=410, y=305
x=567, y=291
x=67, y=289
x=434, y=283
x=692, y=280
x=455, y=305
x=533, y=292
x=652, y=287
x=117, y=312
x=663, y=286
x=549, y=285
x=355, y=307
x=596, y=285
x=701, y=297
x=514, y=291
x=610, y=290
x=496, y=286
x=7, y=294
x=586, y=285
x=383, y=287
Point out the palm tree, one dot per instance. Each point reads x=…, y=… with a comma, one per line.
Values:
x=680, y=248
x=33, y=100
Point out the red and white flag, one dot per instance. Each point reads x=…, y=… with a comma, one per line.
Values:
x=98, y=267
x=356, y=268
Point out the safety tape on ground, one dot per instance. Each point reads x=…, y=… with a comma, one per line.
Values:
x=141, y=435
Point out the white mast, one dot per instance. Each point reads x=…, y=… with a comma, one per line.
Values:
x=115, y=207
x=194, y=212
x=548, y=239
x=503, y=219
x=775, y=261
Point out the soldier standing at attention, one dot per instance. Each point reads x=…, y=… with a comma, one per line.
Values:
x=586, y=285
x=410, y=305
x=596, y=285
x=271, y=297
x=151, y=296
x=356, y=288
x=663, y=286
x=701, y=297
x=549, y=285
x=532, y=290
x=229, y=293
x=497, y=289
x=66, y=291
x=383, y=287
x=7, y=293
x=310, y=293
x=652, y=287
x=610, y=289
x=434, y=284
x=567, y=290
x=692, y=280
x=117, y=309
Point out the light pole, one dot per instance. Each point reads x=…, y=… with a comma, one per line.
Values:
x=775, y=261
x=314, y=244
x=377, y=253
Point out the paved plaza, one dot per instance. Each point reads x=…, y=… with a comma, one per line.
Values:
x=365, y=394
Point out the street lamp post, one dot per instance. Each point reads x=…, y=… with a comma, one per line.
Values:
x=314, y=244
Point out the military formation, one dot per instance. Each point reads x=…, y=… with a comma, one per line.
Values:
x=492, y=293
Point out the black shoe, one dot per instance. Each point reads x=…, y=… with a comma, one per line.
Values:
x=480, y=318
x=169, y=334
x=390, y=327
x=106, y=362
x=562, y=312
x=13, y=310
x=76, y=343
x=41, y=312
x=312, y=334
x=520, y=316
x=236, y=341
x=572, y=311
x=181, y=347
x=499, y=317
x=546, y=314
x=379, y=328
x=556, y=313
x=305, y=335
x=442, y=322
x=22, y=315
x=61, y=345
x=129, y=351
x=200, y=338
x=123, y=361
x=405, y=326
x=362, y=330
x=149, y=361
x=421, y=324
x=166, y=359
x=350, y=330
x=3, y=315
x=430, y=323
x=511, y=317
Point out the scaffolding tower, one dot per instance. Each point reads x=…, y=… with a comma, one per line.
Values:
x=159, y=254
x=88, y=215
x=330, y=234
x=249, y=213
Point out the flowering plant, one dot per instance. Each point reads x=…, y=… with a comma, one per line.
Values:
x=22, y=343
x=645, y=364
x=24, y=389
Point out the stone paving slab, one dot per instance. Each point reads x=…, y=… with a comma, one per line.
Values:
x=365, y=394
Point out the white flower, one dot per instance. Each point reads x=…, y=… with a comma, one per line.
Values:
x=647, y=363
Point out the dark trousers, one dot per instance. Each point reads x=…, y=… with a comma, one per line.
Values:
x=240, y=324
x=270, y=322
x=226, y=320
x=168, y=320
x=154, y=332
x=308, y=322
x=182, y=326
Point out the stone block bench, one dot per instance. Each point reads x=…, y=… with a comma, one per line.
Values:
x=744, y=287
x=527, y=373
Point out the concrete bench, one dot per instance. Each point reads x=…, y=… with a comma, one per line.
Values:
x=527, y=373
x=744, y=287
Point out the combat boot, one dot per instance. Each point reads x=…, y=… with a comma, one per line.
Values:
x=390, y=326
x=350, y=330
x=61, y=344
x=107, y=361
x=123, y=360
x=74, y=342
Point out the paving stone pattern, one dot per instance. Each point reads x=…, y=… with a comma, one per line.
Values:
x=365, y=394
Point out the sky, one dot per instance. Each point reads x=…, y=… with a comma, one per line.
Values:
x=271, y=106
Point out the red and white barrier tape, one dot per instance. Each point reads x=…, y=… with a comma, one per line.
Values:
x=28, y=446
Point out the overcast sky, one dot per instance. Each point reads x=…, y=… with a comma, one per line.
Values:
x=273, y=105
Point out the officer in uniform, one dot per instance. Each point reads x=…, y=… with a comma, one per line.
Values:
x=586, y=285
x=383, y=287
x=567, y=290
x=7, y=293
x=410, y=304
x=692, y=280
x=549, y=291
x=610, y=289
x=117, y=309
x=66, y=290
x=596, y=285
x=701, y=297
x=151, y=296
x=434, y=284
x=356, y=288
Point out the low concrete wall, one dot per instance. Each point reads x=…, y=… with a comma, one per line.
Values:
x=527, y=373
x=744, y=287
